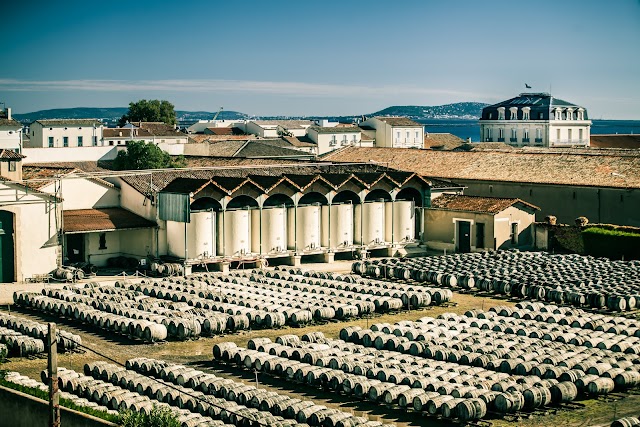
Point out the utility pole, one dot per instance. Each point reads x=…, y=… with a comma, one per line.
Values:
x=54, y=395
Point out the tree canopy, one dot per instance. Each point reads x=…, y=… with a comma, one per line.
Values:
x=152, y=110
x=141, y=155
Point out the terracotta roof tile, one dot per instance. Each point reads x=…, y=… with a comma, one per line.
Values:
x=10, y=155
x=442, y=141
x=492, y=205
x=10, y=123
x=565, y=167
x=106, y=219
x=615, y=141
x=398, y=121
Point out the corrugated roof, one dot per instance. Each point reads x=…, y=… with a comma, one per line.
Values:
x=105, y=219
x=491, y=205
x=398, y=121
x=565, y=167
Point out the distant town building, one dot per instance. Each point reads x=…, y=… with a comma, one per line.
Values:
x=536, y=119
x=58, y=133
x=150, y=132
x=332, y=138
x=277, y=128
x=10, y=132
x=395, y=132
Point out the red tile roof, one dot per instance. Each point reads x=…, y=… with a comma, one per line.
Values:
x=594, y=168
x=398, y=121
x=10, y=155
x=491, y=205
x=615, y=141
x=106, y=219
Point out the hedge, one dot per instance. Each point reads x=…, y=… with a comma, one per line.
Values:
x=611, y=243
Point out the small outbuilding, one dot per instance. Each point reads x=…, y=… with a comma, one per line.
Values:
x=471, y=224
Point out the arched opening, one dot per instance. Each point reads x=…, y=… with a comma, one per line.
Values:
x=7, y=254
x=278, y=200
x=346, y=196
x=242, y=202
x=205, y=204
x=410, y=193
x=378, y=195
x=312, y=198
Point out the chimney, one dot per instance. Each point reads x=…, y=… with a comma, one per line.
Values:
x=8, y=110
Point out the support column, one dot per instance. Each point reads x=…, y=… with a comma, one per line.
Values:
x=54, y=394
x=329, y=257
x=295, y=260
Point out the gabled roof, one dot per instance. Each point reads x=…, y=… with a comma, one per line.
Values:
x=442, y=141
x=286, y=124
x=101, y=220
x=335, y=129
x=398, y=121
x=4, y=122
x=10, y=155
x=69, y=122
x=490, y=205
x=603, y=168
x=302, y=141
x=159, y=129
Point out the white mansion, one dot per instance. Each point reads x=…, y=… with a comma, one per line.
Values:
x=536, y=119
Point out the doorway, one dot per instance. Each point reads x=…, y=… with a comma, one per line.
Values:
x=464, y=236
x=7, y=258
x=75, y=247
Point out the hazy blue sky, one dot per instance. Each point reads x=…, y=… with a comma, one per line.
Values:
x=319, y=57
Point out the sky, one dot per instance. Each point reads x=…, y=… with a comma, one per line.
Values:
x=328, y=57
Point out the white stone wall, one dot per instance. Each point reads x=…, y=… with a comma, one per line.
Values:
x=71, y=154
x=39, y=135
x=82, y=193
x=10, y=138
x=35, y=233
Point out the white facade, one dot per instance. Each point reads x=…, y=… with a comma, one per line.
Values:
x=64, y=133
x=277, y=128
x=396, y=132
x=533, y=119
x=85, y=193
x=332, y=138
x=35, y=230
x=201, y=125
x=10, y=132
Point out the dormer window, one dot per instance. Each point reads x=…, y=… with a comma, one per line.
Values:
x=580, y=113
x=569, y=113
x=490, y=116
x=526, y=112
x=500, y=113
x=513, y=113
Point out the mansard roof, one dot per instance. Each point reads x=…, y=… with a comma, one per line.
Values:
x=537, y=102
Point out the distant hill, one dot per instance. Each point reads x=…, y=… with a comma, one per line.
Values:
x=459, y=110
x=112, y=115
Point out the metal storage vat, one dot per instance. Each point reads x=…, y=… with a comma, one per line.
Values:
x=234, y=233
x=370, y=224
x=337, y=228
x=304, y=228
x=201, y=236
x=269, y=235
x=402, y=214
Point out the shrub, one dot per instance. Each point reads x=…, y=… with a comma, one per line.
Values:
x=159, y=417
x=611, y=243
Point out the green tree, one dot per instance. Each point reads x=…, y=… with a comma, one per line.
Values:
x=150, y=111
x=141, y=155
